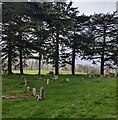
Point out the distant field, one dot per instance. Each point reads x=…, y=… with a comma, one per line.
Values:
x=44, y=72
x=84, y=96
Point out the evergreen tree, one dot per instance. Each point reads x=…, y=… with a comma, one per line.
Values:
x=98, y=41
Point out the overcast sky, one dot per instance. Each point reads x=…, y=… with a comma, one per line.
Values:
x=95, y=7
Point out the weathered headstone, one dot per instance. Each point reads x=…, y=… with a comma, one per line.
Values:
x=101, y=76
x=37, y=77
x=42, y=92
x=38, y=97
x=90, y=76
x=67, y=80
x=27, y=88
x=48, y=81
x=82, y=78
x=22, y=77
x=25, y=82
x=56, y=77
x=41, y=96
x=34, y=92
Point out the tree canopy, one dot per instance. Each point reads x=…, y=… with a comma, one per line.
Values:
x=58, y=35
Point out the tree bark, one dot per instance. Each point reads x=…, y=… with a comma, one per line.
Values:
x=73, y=61
x=21, y=62
x=39, y=71
x=103, y=48
x=9, y=64
x=9, y=58
x=102, y=65
x=73, y=56
x=57, y=54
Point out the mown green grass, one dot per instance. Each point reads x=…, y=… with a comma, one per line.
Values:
x=80, y=98
x=34, y=72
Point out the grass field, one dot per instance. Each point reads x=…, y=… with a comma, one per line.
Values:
x=34, y=72
x=82, y=97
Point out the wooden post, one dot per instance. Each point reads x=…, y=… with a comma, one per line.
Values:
x=48, y=81
x=34, y=92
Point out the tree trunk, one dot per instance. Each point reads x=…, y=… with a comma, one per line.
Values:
x=39, y=71
x=57, y=54
x=21, y=62
x=116, y=70
x=9, y=58
x=103, y=48
x=9, y=64
x=73, y=56
x=102, y=65
x=73, y=61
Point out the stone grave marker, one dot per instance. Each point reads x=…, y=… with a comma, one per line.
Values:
x=41, y=96
x=27, y=88
x=37, y=77
x=34, y=92
x=56, y=77
x=25, y=82
x=48, y=81
x=42, y=92
x=67, y=80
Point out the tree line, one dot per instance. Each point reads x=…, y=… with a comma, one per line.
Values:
x=54, y=33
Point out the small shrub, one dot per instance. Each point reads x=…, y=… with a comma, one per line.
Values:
x=51, y=72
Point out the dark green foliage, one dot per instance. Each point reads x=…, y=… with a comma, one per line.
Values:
x=51, y=72
x=58, y=35
x=99, y=42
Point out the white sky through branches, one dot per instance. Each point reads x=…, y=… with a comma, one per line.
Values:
x=89, y=8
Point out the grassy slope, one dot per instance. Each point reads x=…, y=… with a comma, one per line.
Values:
x=88, y=97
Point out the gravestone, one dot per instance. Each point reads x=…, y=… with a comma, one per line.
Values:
x=34, y=92
x=56, y=77
x=67, y=80
x=22, y=77
x=48, y=81
x=42, y=92
x=90, y=76
x=27, y=88
x=41, y=96
x=25, y=82
x=38, y=97
x=37, y=77
x=82, y=78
